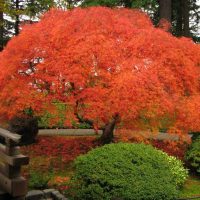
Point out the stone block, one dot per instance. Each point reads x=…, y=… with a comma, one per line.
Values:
x=35, y=195
x=48, y=192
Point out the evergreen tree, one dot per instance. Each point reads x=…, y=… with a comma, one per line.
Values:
x=184, y=15
x=13, y=13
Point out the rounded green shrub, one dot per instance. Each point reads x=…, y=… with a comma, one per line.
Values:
x=193, y=155
x=180, y=174
x=124, y=171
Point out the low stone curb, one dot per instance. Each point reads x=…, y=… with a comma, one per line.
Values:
x=91, y=132
x=47, y=194
x=69, y=132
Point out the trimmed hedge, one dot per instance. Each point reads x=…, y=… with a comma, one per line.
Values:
x=124, y=171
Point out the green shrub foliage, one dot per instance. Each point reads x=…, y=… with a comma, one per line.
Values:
x=193, y=155
x=124, y=171
x=38, y=180
x=180, y=174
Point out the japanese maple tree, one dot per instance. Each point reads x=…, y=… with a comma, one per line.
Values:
x=108, y=65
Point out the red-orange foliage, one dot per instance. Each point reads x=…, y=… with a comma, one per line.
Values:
x=55, y=153
x=103, y=61
x=66, y=147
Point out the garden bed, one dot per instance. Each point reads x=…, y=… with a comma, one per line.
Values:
x=51, y=161
x=191, y=188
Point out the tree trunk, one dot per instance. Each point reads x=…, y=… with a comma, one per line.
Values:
x=107, y=136
x=127, y=4
x=182, y=18
x=179, y=12
x=1, y=30
x=165, y=10
x=17, y=18
x=80, y=119
x=185, y=11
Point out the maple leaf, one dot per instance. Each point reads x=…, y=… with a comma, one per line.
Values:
x=101, y=61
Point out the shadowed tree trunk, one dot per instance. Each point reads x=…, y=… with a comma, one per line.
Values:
x=81, y=119
x=17, y=18
x=107, y=136
x=185, y=8
x=182, y=18
x=1, y=30
x=165, y=9
x=179, y=22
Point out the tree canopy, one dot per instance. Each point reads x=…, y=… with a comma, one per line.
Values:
x=182, y=14
x=104, y=64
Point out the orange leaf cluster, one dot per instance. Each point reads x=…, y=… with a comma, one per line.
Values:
x=102, y=61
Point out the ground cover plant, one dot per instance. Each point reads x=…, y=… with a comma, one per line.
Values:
x=171, y=148
x=109, y=66
x=67, y=148
x=191, y=187
x=51, y=159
